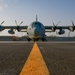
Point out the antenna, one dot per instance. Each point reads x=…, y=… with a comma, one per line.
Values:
x=36, y=18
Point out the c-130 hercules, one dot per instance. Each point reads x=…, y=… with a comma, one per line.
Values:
x=36, y=30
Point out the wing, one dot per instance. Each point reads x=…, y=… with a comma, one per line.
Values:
x=12, y=28
x=18, y=28
x=53, y=28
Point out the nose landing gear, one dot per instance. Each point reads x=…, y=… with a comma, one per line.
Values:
x=43, y=39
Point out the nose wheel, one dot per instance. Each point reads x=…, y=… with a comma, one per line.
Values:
x=36, y=40
x=44, y=39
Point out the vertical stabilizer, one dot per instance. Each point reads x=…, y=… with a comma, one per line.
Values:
x=36, y=18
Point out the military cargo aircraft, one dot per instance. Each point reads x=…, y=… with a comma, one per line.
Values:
x=36, y=30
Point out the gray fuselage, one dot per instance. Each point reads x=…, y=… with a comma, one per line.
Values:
x=36, y=30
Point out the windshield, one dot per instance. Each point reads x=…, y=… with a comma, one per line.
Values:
x=36, y=24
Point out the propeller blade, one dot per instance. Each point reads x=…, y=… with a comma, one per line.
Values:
x=18, y=26
x=20, y=23
x=53, y=24
x=16, y=22
x=57, y=23
x=72, y=23
x=2, y=22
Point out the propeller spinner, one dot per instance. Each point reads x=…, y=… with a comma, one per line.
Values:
x=18, y=26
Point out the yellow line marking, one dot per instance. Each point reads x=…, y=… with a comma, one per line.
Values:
x=35, y=64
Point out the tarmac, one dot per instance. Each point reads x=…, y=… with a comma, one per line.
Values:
x=58, y=56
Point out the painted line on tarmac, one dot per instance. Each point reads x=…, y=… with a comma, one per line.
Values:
x=35, y=64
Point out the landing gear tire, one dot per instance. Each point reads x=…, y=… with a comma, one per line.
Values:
x=36, y=40
x=28, y=39
x=43, y=39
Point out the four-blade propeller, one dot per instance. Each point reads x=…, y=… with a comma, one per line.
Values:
x=54, y=26
x=72, y=28
x=18, y=28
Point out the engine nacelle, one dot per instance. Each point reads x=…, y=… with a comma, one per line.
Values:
x=18, y=28
x=11, y=31
x=61, y=32
x=53, y=29
x=71, y=28
x=1, y=28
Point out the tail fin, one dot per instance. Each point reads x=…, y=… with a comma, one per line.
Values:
x=36, y=18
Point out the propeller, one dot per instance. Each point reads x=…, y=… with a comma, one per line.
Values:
x=72, y=28
x=11, y=31
x=54, y=26
x=1, y=27
x=2, y=22
x=18, y=26
x=72, y=23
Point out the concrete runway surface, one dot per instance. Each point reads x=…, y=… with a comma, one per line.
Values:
x=59, y=57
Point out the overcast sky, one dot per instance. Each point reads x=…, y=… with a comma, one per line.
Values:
x=47, y=11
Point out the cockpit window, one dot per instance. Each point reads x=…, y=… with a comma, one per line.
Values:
x=36, y=24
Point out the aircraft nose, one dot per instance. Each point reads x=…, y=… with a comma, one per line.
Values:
x=37, y=31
